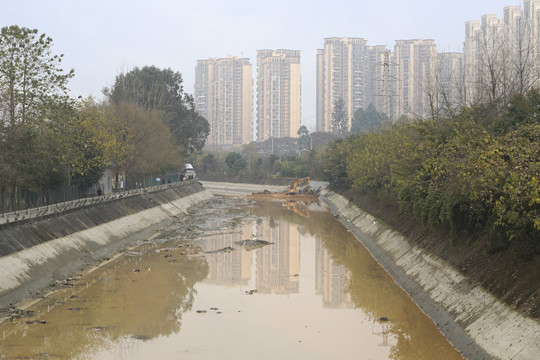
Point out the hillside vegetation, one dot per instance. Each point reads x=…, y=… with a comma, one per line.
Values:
x=477, y=172
x=466, y=188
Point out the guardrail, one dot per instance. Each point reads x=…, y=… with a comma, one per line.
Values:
x=15, y=216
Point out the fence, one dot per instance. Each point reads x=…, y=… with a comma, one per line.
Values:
x=23, y=199
x=37, y=208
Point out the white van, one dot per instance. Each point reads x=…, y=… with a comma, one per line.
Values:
x=189, y=172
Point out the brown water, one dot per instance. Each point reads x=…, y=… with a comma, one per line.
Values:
x=194, y=292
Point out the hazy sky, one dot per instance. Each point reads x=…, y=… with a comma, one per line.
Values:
x=101, y=38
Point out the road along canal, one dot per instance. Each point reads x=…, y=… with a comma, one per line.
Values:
x=234, y=279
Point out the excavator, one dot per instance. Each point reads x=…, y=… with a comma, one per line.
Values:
x=302, y=210
x=299, y=190
x=294, y=188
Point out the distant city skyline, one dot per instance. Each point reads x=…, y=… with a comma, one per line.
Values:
x=101, y=39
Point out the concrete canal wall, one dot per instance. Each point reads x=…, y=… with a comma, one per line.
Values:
x=35, y=252
x=476, y=323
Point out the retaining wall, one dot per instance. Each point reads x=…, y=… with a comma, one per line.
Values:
x=35, y=252
x=477, y=324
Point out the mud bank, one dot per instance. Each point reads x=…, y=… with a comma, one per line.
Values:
x=35, y=253
x=475, y=322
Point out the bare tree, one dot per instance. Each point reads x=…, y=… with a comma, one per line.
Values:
x=491, y=61
x=432, y=87
x=522, y=57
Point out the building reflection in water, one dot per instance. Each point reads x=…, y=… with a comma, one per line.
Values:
x=229, y=268
x=274, y=268
x=331, y=280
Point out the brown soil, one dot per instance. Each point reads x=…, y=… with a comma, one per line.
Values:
x=267, y=195
x=502, y=273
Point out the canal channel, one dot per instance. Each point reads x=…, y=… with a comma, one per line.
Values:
x=238, y=278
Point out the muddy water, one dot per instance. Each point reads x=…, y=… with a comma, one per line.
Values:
x=235, y=280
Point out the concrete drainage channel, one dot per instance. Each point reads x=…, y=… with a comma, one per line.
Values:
x=475, y=322
x=35, y=252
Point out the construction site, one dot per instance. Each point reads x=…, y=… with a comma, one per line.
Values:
x=299, y=190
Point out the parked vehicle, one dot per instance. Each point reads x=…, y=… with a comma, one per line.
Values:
x=189, y=172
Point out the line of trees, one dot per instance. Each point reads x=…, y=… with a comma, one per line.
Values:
x=145, y=125
x=478, y=171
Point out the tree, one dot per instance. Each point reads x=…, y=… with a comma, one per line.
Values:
x=34, y=111
x=131, y=140
x=209, y=164
x=365, y=120
x=161, y=91
x=491, y=63
x=31, y=80
x=340, y=120
x=151, y=147
x=235, y=162
x=303, y=138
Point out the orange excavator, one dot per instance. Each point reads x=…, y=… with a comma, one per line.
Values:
x=299, y=208
x=300, y=186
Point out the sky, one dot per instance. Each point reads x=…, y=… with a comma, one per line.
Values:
x=103, y=38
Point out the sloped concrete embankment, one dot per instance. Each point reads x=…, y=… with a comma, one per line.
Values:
x=36, y=252
x=476, y=323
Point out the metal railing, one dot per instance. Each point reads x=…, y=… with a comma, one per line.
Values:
x=56, y=208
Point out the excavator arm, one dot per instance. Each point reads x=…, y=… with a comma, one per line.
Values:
x=294, y=186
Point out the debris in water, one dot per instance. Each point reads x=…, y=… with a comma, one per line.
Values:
x=252, y=244
x=227, y=249
x=97, y=328
x=140, y=337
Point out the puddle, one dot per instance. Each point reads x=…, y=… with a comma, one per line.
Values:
x=237, y=280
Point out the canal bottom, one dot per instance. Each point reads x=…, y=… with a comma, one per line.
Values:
x=236, y=279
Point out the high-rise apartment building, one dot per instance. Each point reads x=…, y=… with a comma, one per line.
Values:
x=321, y=125
x=380, y=90
x=531, y=13
x=396, y=84
x=224, y=96
x=502, y=56
x=470, y=62
x=416, y=88
x=342, y=73
x=278, y=93
x=450, y=82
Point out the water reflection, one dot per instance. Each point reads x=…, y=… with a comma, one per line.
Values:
x=302, y=266
x=331, y=280
x=140, y=297
x=276, y=265
x=347, y=276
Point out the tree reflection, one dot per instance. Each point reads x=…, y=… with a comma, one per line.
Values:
x=141, y=297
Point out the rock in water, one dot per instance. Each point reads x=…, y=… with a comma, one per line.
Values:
x=252, y=244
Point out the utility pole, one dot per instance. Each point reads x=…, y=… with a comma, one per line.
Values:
x=387, y=93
